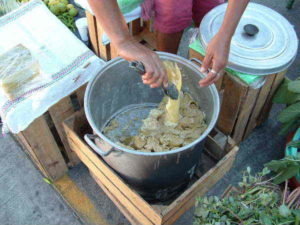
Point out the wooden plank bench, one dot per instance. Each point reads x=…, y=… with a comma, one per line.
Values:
x=131, y=204
x=45, y=140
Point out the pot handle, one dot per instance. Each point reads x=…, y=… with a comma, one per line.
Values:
x=89, y=139
x=196, y=60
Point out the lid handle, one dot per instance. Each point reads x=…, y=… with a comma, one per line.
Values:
x=251, y=29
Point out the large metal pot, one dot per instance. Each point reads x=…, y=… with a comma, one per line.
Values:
x=117, y=87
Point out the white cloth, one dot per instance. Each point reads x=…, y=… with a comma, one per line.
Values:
x=133, y=15
x=62, y=58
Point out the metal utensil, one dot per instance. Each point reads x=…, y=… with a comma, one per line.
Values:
x=170, y=90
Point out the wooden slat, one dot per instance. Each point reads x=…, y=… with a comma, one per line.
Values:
x=246, y=108
x=148, y=24
x=100, y=169
x=180, y=212
x=131, y=204
x=43, y=148
x=149, y=37
x=92, y=162
x=119, y=204
x=60, y=112
x=104, y=50
x=219, y=82
x=135, y=27
x=200, y=187
x=268, y=104
x=113, y=52
x=261, y=101
x=92, y=26
x=80, y=95
x=22, y=140
x=195, y=54
x=234, y=92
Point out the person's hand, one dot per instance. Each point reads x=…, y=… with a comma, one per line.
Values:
x=215, y=59
x=156, y=74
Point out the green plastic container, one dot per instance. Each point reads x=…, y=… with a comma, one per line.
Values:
x=126, y=6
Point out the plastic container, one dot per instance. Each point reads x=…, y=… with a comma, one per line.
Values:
x=82, y=27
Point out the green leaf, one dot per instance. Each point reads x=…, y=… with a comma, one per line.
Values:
x=286, y=174
x=47, y=180
x=295, y=144
x=290, y=113
x=277, y=165
x=284, y=211
x=296, y=212
x=265, y=219
x=288, y=127
x=265, y=171
x=284, y=95
x=294, y=86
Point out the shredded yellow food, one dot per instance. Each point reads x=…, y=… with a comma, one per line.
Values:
x=172, y=107
x=174, y=124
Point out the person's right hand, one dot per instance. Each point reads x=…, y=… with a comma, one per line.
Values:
x=156, y=74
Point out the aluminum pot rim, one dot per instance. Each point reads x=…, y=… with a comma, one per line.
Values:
x=117, y=147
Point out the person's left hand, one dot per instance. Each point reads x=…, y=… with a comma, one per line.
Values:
x=215, y=59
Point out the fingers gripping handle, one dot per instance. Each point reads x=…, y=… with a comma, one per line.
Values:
x=199, y=62
x=89, y=138
x=170, y=90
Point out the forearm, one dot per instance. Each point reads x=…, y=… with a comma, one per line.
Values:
x=111, y=19
x=232, y=17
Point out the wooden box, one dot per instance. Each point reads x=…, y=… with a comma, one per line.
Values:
x=131, y=204
x=243, y=107
x=45, y=140
x=139, y=29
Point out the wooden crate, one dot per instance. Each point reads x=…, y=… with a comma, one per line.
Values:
x=131, y=204
x=45, y=140
x=138, y=29
x=243, y=107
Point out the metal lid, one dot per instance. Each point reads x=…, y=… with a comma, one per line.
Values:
x=264, y=41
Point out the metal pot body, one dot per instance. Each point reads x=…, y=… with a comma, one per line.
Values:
x=116, y=87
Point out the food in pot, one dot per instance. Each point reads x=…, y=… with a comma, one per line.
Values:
x=173, y=124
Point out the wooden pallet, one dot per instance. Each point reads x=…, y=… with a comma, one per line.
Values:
x=243, y=107
x=45, y=140
x=131, y=204
x=138, y=29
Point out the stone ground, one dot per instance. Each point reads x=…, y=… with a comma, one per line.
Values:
x=25, y=199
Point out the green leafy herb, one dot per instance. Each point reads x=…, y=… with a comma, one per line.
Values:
x=294, y=86
x=68, y=20
x=290, y=113
x=289, y=93
x=287, y=127
x=284, y=95
x=256, y=202
x=284, y=211
x=285, y=168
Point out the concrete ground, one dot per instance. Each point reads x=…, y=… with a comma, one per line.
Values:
x=26, y=199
